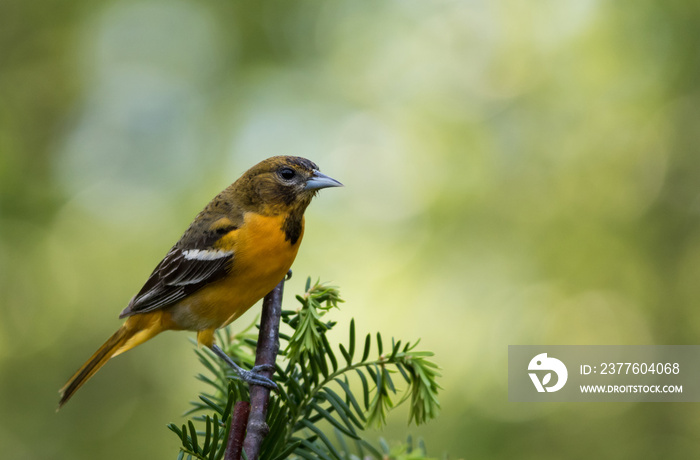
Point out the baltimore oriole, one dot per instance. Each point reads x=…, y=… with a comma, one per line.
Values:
x=235, y=251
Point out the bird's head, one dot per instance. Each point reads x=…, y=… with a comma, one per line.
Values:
x=281, y=183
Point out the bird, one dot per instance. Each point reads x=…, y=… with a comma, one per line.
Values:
x=237, y=249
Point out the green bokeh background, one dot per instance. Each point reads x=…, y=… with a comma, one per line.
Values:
x=516, y=172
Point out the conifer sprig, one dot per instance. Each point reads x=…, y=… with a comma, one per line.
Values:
x=324, y=403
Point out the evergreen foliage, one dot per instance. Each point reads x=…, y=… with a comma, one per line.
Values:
x=318, y=390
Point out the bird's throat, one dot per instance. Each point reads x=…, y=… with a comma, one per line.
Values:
x=293, y=226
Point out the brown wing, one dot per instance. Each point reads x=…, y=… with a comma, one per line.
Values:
x=178, y=275
x=190, y=265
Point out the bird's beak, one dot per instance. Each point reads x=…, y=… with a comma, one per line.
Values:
x=319, y=180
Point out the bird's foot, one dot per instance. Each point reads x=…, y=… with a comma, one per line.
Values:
x=251, y=377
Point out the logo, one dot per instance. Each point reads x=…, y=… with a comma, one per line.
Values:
x=543, y=363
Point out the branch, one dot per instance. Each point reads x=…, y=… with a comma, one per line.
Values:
x=239, y=420
x=268, y=346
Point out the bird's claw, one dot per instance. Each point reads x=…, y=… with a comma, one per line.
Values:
x=263, y=367
x=252, y=377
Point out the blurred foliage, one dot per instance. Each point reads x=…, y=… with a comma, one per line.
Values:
x=315, y=397
x=516, y=173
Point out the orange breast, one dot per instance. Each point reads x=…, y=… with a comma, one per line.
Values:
x=261, y=259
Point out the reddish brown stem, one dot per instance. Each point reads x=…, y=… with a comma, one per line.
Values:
x=236, y=435
x=268, y=346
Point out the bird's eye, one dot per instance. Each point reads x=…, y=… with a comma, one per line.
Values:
x=286, y=173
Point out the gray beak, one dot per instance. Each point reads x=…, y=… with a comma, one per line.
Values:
x=319, y=180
